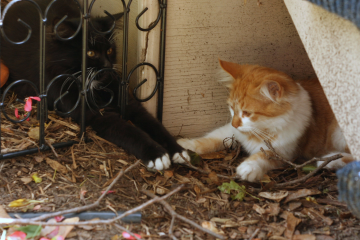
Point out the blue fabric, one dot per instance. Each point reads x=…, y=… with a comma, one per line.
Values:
x=348, y=9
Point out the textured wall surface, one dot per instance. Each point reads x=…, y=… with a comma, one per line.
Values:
x=333, y=45
x=200, y=32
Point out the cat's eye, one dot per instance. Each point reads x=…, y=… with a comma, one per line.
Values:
x=246, y=113
x=109, y=51
x=91, y=53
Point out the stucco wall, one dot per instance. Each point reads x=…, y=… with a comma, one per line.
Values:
x=200, y=32
x=333, y=45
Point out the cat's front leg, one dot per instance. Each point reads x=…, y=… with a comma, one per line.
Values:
x=142, y=119
x=255, y=167
x=212, y=142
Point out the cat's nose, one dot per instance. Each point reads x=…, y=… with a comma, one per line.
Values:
x=107, y=64
x=236, y=122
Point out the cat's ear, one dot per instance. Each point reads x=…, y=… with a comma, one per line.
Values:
x=271, y=90
x=66, y=28
x=234, y=69
x=108, y=21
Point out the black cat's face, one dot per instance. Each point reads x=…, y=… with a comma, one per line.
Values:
x=101, y=48
x=101, y=52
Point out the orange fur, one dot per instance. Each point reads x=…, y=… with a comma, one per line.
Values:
x=267, y=104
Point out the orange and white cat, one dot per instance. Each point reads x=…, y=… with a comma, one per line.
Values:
x=267, y=104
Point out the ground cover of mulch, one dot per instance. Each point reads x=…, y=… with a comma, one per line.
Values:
x=308, y=210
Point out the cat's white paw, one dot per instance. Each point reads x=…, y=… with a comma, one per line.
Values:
x=178, y=159
x=250, y=171
x=187, y=144
x=160, y=163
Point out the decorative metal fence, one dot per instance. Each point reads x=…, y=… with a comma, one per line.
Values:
x=83, y=85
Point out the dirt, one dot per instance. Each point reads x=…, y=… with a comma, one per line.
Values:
x=309, y=210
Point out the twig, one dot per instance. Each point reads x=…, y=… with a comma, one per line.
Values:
x=174, y=214
x=188, y=164
x=276, y=156
x=254, y=234
x=124, y=229
x=309, y=175
x=52, y=148
x=87, y=207
x=279, y=157
x=7, y=221
x=171, y=228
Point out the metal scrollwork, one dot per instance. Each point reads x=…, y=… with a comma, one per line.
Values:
x=81, y=79
x=145, y=80
x=4, y=96
x=153, y=24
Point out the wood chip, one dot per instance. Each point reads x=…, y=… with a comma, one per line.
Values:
x=302, y=193
x=276, y=196
x=304, y=237
x=291, y=223
x=316, y=215
x=56, y=166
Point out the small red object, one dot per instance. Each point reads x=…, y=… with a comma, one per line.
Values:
x=128, y=236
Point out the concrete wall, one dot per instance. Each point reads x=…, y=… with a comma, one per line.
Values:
x=200, y=32
x=333, y=45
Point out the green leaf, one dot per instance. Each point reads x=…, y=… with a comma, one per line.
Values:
x=233, y=186
x=195, y=159
x=308, y=168
x=240, y=196
x=30, y=230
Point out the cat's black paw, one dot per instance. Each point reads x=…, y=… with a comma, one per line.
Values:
x=159, y=163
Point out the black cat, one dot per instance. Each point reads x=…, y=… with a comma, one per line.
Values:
x=143, y=136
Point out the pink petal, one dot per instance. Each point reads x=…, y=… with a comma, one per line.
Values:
x=44, y=238
x=110, y=191
x=59, y=218
x=17, y=113
x=53, y=233
x=128, y=236
x=28, y=104
x=36, y=98
x=18, y=235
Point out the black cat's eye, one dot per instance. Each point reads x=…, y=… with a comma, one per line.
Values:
x=91, y=53
x=109, y=51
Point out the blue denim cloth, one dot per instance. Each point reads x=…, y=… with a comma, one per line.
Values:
x=348, y=9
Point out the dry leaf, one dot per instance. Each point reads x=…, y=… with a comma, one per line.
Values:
x=213, y=177
x=301, y=193
x=64, y=230
x=26, y=180
x=315, y=215
x=161, y=190
x=48, y=229
x=220, y=220
x=168, y=174
x=248, y=222
x=304, y=237
x=294, y=205
x=56, y=166
x=89, y=227
x=273, y=209
x=211, y=226
x=39, y=159
x=34, y=133
x=276, y=196
x=258, y=209
x=291, y=223
x=3, y=213
x=277, y=238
